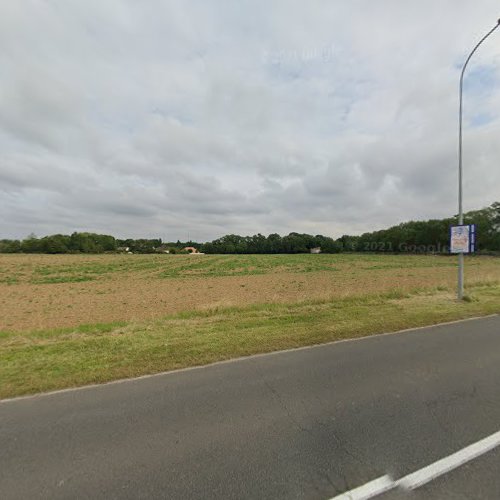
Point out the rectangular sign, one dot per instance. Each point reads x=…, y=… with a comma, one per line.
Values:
x=463, y=238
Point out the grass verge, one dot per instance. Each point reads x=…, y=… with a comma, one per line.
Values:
x=37, y=361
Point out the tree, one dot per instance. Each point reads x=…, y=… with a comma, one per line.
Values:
x=10, y=246
x=57, y=243
x=31, y=244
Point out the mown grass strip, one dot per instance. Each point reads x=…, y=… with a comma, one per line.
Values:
x=45, y=360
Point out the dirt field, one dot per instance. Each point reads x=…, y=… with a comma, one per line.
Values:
x=44, y=291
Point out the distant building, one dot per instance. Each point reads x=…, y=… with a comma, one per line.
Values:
x=192, y=250
x=316, y=250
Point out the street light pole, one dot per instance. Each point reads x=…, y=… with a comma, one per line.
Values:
x=460, y=171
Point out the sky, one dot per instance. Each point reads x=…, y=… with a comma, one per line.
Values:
x=192, y=119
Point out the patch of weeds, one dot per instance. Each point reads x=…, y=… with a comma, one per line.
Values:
x=395, y=294
x=9, y=280
x=470, y=298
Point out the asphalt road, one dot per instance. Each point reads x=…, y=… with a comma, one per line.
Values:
x=311, y=423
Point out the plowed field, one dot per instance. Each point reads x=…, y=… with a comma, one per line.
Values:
x=45, y=291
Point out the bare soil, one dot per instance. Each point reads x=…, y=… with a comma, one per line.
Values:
x=141, y=294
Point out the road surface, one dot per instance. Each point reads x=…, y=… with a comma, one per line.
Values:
x=312, y=423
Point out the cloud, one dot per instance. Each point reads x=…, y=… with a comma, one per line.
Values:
x=207, y=118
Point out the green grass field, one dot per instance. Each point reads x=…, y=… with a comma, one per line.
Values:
x=373, y=294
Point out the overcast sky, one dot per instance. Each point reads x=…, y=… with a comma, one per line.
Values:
x=205, y=117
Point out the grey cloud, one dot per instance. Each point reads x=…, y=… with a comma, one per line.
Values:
x=165, y=118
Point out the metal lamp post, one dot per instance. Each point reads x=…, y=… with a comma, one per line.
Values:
x=460, y=189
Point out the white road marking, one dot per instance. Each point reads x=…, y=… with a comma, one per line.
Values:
x=368, y=490
x=449, y=463
x=424, y=475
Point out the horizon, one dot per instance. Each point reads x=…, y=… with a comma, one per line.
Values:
x=173, y=240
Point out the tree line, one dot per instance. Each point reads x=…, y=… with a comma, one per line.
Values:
x=431, y=236
x=274, y=243
x=89, y=243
